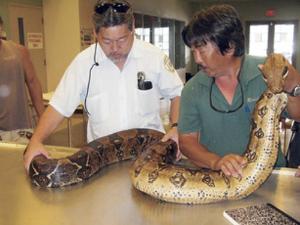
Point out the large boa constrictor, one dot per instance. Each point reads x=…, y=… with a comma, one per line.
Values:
x=154, y=173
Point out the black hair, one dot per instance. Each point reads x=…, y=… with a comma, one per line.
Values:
x=219, y=24
x=112, y=18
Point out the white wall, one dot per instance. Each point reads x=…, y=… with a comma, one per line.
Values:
x=62, y=37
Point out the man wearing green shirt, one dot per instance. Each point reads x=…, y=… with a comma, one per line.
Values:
x=217, y=103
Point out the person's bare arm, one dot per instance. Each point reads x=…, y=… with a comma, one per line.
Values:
x=48, y=122
x=174, y=114
x=297, y=174
x=174, y=109
x=292, y=79
x=230, y=164
x=32, y=82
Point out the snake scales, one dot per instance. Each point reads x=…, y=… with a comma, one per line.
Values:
x=153, y=171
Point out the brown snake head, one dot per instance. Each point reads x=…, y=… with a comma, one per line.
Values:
x=275, y=70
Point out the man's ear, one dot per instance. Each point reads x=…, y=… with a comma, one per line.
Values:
x=133, y=25
x=230, y=51
x=95, y=35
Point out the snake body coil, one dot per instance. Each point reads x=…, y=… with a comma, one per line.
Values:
x=91, y=158
x=153, y=171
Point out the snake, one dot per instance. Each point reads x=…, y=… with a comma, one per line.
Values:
x=155, y=171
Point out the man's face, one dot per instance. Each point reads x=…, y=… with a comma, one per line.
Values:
x=210, y=59
x=116, y=42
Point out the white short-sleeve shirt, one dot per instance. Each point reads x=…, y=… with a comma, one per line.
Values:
x=114, y=100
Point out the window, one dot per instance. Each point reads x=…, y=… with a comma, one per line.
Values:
x=271, y=36
x=143, y=34
x=258, y=41
x=161, y=38
x=163, y=33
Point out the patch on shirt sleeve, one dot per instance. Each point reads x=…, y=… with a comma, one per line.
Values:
x=168, y=65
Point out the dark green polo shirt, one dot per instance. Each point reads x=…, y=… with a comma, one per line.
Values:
x=222, y=133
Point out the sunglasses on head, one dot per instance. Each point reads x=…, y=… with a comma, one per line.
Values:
x=117, y=7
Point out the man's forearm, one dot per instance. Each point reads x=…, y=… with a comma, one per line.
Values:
x=294, y=108
x=36, y=96
x=204, y=158
x=174, y=110
x=196, y=152
x=32, y=82
x=293, y=79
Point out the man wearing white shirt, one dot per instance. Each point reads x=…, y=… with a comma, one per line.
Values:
x=119, y=79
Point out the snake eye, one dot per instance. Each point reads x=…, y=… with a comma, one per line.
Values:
x=285, y=71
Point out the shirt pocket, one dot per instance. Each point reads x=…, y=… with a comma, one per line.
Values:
x=98, y=107
x=148, y=102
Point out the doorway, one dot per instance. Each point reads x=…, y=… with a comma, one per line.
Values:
x=26, y=26
x=267, y=37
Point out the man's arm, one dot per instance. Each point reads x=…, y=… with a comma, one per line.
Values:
x=297, y=174
x=174, y=114
x=292, y=79
x=230, y=164
x=48, y=122
x=32, y=82
x=174, y=110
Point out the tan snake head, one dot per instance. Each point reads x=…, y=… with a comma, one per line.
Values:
x=275, y=70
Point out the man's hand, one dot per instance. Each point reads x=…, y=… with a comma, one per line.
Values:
x=231, y=165
x=33, y=149
x=297, y=174
x=173, y=134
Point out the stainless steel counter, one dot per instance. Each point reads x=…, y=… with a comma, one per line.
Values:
x=109, y=198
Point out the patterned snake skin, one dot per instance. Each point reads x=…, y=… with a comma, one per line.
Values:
x=154, y=173
x=91, y=158
x=197, y=186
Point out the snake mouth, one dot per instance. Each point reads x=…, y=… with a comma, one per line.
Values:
x=285, y=72
x=276, y=90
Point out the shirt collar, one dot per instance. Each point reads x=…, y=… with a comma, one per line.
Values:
x=135, y=51
x=100, y=53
